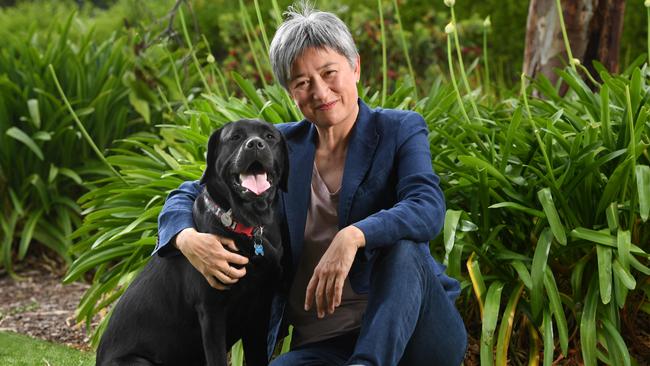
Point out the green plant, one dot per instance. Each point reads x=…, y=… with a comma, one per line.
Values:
x=42, y=153
x=116, y=87
x=555, y=216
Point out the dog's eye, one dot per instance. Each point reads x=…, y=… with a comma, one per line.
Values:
x=234, y=137
x=269, y=136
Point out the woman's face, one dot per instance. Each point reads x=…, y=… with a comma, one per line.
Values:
x=323, y=85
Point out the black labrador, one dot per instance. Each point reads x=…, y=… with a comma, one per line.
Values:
x=170, y=315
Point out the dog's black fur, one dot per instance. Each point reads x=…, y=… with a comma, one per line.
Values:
x=170, y=315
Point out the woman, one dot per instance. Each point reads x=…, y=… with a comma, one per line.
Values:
x=362, y=204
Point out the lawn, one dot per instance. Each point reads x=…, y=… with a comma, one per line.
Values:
x=20, y=350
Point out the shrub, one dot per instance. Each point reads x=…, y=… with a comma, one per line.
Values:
x=548, y=205
x=42, y=150
x=115, y=88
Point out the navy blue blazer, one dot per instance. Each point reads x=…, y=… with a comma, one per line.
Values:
x=389, y=190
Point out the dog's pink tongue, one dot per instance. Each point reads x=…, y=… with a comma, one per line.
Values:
x=255, y=183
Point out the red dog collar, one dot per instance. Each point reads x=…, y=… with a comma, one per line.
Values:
x=225, y=217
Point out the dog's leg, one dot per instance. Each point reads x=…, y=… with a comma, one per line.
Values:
x=213, y=329
x=254, y=338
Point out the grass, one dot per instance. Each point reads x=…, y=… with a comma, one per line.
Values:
x=19, y=350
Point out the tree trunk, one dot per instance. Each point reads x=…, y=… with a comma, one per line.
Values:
x=594, y=28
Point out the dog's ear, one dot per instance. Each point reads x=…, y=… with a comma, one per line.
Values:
x=213, y=147
x=284, y=178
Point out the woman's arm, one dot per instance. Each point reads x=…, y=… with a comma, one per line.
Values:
x=176, y=215
x=419, y=212
x=206, y=252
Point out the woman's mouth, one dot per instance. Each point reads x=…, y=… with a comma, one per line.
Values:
x=326, y=106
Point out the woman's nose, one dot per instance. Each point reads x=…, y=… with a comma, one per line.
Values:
x=319, y=89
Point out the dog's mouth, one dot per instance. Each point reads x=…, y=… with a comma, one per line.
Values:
x=254, y=178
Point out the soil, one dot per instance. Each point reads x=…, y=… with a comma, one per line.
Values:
x=40, y=306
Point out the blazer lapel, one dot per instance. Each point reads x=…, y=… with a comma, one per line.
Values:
x=361, y=150
x=301, y=161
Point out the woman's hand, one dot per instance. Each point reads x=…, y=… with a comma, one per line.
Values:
x=207, y=253
x=326, y=284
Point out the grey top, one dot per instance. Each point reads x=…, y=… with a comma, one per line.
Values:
x=320, y=229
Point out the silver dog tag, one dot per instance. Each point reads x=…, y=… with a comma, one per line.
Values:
x=226, y=218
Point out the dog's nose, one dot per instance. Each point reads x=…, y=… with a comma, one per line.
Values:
x=255, y=143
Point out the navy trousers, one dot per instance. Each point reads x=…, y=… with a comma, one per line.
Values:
x=410, y=319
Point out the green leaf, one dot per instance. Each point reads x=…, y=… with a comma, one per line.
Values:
x=614, y=184
x=604, y=272
x=549, y=344
x=507, y=323
x=32, y=106
x=54, y=171
x=286, y=342
x=624, y=275
x=8, y=225
x=588, y=335
x=604, y=116
x=451, y=223
x=477, y=163
x=150, y=214
x=237, y=354
x=93, y=258
x=42, y=136
x=522, y=271
x=639, y=266
x=21, y=136
x=248, y=89
x=17, y=206
x=546, y=199
x=478, y=284
x=642, y=173
x=141, y=106
x=516, y=206
x=71, y=174
x=557, y=310
x=600, y=237
x=28, y=233
x=173, y=164
x=618, y=350
x=490, y=317
x=513, y=128
x=623, y=241
x=540, y=258
x=612, y=217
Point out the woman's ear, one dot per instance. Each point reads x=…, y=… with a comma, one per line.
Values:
x=211, y=156
x=357, y=68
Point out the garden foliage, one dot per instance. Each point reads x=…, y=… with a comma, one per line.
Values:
x=547, y=186
x=116, y=86
x=43, y=154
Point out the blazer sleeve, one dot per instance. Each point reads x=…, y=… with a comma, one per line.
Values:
x=419, y=211
x=176, y=215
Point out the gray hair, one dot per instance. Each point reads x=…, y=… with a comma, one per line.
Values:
x=306, y=28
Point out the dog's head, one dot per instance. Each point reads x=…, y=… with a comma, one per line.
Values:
x=247, y=161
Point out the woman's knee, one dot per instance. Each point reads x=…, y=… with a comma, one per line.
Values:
x=407, y=258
